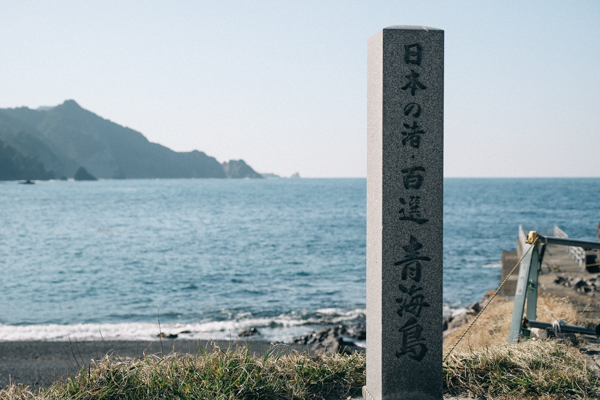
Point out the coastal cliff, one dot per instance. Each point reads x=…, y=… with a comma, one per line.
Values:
x=60, y=140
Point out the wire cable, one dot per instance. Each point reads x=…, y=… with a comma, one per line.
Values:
x=487, y=304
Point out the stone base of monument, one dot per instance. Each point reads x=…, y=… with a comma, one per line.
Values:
x=367, y=396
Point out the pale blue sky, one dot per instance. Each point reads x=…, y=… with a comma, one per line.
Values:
x=282, y=84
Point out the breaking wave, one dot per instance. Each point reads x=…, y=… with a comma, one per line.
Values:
x=280, y=328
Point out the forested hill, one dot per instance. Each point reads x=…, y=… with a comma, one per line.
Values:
x=57, y=141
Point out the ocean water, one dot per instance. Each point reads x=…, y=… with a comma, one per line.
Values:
x=110, y=259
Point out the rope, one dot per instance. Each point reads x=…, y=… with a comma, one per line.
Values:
x=486, y=304
x=586, y=265
x=556, y=324
x=590, y=265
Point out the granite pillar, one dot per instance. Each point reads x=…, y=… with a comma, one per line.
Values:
x=405, y=214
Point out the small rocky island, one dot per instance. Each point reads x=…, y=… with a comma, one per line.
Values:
x=83, y=175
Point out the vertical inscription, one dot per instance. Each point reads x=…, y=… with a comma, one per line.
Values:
x=412, y=300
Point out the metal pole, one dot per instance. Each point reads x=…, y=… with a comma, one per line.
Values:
x=569, y=242
x=526, y=290
x=564, y=328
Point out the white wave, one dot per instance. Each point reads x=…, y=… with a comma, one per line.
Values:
x=493, y=265
x=328, y=311
x=281, y=328
x=460, y=311
x=453, y=308
x=343, y=315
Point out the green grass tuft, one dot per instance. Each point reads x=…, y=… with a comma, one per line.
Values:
x=531, y=369
x=213, y=375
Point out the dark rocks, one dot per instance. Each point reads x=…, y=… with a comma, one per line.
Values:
x=249, y=332
x=167, y=335
x=358, y=332
x=331, y=340
x=83, y=175
x=445, y=321
x=587, y=286
x=487, y=297
x=461, y=317
x=561, y=280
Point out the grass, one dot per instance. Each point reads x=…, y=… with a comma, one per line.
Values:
x=484, y=365
x=233, y=374
x=493, y=325
x=533, y=369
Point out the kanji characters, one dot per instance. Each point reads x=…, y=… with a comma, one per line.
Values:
x=413, y=344
x=412, y=135
x=412, y=250
x=413, y=83
x=411, y=261
x=413, y=303
x=412, y=300
x=412, y=108
x=412, y=210
x=413, y=177
x=413, y=53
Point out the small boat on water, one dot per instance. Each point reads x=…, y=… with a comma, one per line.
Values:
x=27, y=182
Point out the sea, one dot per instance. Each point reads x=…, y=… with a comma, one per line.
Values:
x=207, y=258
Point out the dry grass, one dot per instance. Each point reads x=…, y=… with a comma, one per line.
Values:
x=216, y=375
x=531, y=369
x=484, y=365
x=14, y=392
x=494, y=324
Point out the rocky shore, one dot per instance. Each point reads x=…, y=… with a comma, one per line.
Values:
x=334, y=340
x=588, y=285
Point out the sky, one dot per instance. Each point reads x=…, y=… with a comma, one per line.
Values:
x=282, y=84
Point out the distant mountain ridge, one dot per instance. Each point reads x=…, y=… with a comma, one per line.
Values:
x=57, y=141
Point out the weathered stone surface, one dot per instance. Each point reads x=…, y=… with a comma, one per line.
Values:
x=509, y=260
x=405, y=214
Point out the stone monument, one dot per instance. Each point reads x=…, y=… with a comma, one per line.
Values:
x=405, y=213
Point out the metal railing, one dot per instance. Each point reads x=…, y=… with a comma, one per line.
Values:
x=521, y=241
x=577, y=253
x=528, y=284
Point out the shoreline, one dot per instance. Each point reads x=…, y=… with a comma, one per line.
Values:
x=42, y=363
